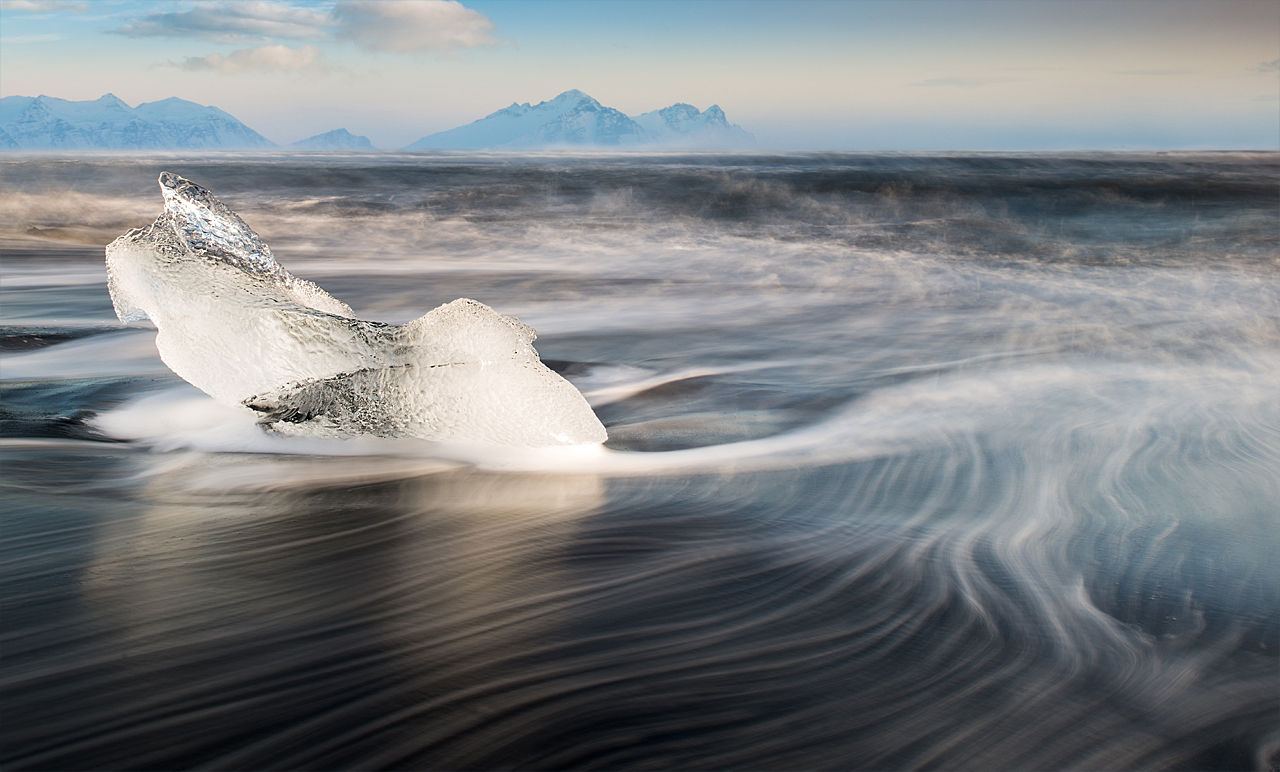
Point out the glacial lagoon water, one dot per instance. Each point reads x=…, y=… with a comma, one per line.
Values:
x=913, y=462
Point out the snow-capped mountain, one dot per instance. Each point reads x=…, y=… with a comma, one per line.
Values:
x=587, y=122
x=107, y=123
x=338, y=139
x=575, y=119
x=572, y=119
x=682, y=125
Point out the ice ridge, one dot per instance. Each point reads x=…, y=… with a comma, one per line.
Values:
x=235, y=324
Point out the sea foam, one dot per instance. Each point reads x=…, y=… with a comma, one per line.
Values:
x=238, y=326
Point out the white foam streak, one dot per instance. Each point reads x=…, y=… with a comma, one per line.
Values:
x=1057, y=402
x=608, y=384
x=26, y=276
x=124, y=353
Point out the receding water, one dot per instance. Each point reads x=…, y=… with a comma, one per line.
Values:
x=931, y=462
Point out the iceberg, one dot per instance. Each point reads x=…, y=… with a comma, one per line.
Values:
x=234, y=323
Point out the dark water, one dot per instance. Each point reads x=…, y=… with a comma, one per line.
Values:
x=914, y=462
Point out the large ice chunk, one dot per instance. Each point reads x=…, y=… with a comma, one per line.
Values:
x=234, y=323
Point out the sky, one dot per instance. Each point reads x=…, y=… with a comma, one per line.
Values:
x=837, y=75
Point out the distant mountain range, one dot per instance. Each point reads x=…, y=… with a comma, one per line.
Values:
x=338, y=139
x=107, y=123
x=572, y=119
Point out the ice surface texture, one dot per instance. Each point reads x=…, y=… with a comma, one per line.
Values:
x=234, y=323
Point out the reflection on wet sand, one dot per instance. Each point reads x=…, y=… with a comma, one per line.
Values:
x=297, y=614
x=933, y=609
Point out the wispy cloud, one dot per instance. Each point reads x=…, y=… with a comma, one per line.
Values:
x=405, y=26
x=963, y=82
x=307, y=59
x=397, y=26
x=1272, y=66
x=42, y=6
x=231, y=22
x=18, y=39
x=1158, y=73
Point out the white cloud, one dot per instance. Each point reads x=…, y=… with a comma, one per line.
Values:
x=404, y=26
x=228, y=22
x=1271, y=66
x=399, y=26
x=267, y=58
x=42, y=6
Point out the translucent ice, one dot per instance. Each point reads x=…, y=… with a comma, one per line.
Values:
x=234, y=323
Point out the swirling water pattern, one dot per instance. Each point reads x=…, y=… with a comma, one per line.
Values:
x=915, y=463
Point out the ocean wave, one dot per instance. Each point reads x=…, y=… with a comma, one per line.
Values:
x=1136, y=209
x=876, y=495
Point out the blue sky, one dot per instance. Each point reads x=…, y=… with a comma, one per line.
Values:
x=813, y=75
